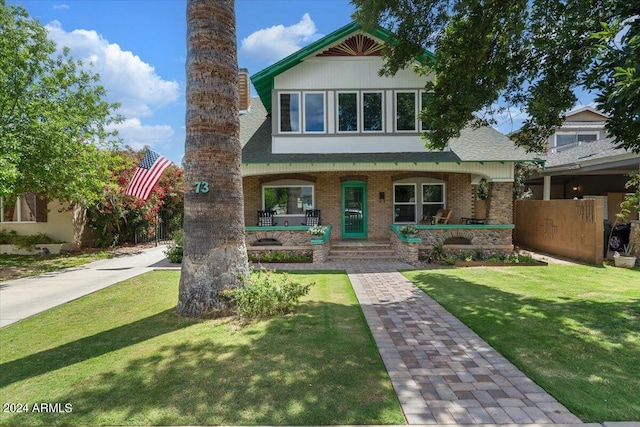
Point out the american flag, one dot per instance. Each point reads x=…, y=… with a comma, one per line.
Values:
x=147, y=175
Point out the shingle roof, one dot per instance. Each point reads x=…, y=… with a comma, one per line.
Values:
x=474, y=145
x=587, y=152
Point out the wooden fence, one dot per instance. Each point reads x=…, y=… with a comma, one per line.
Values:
x=570, y=228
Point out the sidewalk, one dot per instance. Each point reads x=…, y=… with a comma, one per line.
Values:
x=25, y=297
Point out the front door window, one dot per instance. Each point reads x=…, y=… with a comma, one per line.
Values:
x=354, y=209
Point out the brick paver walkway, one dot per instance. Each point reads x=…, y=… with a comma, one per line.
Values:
x=441, y=370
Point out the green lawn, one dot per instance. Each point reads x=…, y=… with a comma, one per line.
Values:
x=575, y=330
x=122, y=356
x=16, y=266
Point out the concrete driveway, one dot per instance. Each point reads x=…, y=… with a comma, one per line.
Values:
x=25, y=297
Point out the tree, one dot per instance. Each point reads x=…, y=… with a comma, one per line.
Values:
x=529, y=54
x=215, y=255
x=116, y=218
x=53, y=122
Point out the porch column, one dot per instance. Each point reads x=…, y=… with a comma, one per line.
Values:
x=546, y=190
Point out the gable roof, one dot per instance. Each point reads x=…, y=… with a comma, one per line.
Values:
x=583, y=109
x=263, y=81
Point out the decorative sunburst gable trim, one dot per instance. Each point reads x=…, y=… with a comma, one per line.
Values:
x=356, y=45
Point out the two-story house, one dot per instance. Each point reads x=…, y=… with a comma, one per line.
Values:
x=582, y=160
x=329, y=133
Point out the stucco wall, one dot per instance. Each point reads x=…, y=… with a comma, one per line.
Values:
x=59, y=225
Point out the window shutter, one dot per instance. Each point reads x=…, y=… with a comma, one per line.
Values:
x=41, y=209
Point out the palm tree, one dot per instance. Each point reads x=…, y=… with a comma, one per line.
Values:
x=215, y=254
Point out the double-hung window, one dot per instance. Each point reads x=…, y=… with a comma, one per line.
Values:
x=372, y=108
x=404, y=202
x=432, y=198
x=406, y=115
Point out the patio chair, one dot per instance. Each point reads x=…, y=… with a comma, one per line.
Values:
x=265, y=218
x=311, y=217
x=442, y=216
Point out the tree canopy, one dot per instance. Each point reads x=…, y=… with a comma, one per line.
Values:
x=53, y=121
x=528, y=54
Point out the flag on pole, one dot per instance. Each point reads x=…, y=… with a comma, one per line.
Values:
x=147, y=175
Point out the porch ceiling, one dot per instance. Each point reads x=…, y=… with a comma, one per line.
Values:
x=494, y=171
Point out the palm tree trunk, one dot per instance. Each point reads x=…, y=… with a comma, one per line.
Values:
x=215, y=255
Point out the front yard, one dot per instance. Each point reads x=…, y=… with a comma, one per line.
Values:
x=122, y=356
x=575, y=330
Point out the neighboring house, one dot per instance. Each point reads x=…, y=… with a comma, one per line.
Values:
x=329, y=133
x=583, y=161
x=30, y=215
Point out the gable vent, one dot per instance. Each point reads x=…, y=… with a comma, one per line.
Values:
x=357, y=45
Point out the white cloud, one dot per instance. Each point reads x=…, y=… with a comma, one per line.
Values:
x=137, y=135
x=60, y=6
x=276, y=42
x=127, y=78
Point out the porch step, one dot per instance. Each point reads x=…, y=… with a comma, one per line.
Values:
x=361, y=250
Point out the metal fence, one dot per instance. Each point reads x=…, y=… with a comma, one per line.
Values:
x=167, y=224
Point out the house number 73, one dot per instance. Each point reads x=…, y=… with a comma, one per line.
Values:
x=202, y=187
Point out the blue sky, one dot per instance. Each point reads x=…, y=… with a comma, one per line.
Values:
x=138, y=47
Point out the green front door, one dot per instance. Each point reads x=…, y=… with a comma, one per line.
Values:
x=354, y=210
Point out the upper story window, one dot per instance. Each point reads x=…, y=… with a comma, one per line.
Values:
x=372, y=117
x=575, y=137
x=27, y=208
x=289, y=110
x=314, y=112
x=424, y=100
x=348, y=107
x=406, y=111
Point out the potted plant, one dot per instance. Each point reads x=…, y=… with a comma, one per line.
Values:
x=409, y=230
x=631, y=202
x=317, y=230
x=482, y=194
x=627, y=258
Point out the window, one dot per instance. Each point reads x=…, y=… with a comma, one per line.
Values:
x=314, y=112
x=574, y=138
x=289, y=112
x=404, y=202
x=424, y=100
x=27, y=208
x=372, y=111
x=287, y=200
x=432, y=198
x=348, y=112
x=406, y=111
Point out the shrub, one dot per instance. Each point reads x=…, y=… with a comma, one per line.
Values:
x=266, y=294
x=280, y=256
x=25, y=241
x=174, y=251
